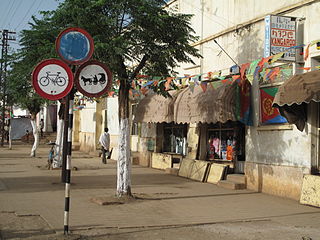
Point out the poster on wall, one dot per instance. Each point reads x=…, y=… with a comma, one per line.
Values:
x=280, y=36
x=269, y=114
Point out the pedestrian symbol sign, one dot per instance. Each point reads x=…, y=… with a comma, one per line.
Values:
x=93, y=79
x=52, y=79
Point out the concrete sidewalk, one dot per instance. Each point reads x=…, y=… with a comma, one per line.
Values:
x=26, y=188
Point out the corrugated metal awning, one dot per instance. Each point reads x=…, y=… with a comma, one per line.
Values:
x=155, y=108
x=300, y=88
x=211, y=106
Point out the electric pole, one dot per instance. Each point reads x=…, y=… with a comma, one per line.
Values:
x=3, y=75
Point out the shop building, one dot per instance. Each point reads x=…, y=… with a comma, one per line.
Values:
x=271, y=151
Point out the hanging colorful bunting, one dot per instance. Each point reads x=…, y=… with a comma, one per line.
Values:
x=243, y=103
x=274, y=73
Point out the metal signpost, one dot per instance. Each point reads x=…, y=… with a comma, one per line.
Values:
x=53, y=79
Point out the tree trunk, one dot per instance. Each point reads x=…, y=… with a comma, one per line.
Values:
x=124, y=163
x=57, y=160
x=10, y=129
x=35, y=131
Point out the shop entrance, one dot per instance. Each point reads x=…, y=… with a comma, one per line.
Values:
x=315, y=137
x=226, y=144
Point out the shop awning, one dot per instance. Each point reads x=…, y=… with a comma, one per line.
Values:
x=294, y=94
x=300, y=88
x=213, y=105
x=155, y=108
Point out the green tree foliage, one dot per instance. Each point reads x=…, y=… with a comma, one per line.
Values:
x=37, y=45
x=131, y=36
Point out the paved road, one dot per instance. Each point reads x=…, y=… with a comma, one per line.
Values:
x=169, y=207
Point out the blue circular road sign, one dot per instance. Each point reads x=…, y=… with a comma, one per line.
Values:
x=74, y=46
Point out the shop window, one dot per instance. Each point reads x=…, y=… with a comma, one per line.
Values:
x=225, y=141
x=175, y=138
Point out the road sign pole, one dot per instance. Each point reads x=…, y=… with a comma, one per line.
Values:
x=65, y=138
x=68, y=145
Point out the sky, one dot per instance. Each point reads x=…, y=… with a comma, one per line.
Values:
x=15, y=14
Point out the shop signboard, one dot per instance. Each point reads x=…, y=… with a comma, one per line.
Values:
x=52, y=79
x=280, y=36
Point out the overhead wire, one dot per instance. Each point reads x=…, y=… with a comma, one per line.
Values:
x=37, y=8
x=34, y=1
x=7, y=14
x=15, y=11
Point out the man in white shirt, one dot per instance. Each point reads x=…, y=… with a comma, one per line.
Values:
x=105, y=144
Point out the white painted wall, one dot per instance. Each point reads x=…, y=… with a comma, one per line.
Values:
x=113, y=115
x=87, y=116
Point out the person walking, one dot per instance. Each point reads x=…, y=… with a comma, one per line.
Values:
x=41, y=127
x=105, y=144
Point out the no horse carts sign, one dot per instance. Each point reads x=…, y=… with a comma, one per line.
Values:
x=93, y=79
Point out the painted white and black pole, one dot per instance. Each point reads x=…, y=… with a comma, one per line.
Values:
x=69, y=118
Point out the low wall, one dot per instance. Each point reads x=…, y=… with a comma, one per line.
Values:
x=284, y=181
x=87, y=142
x=161, y=160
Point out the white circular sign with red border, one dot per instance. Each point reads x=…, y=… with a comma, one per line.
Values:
x=52, y=79
x=93, y=79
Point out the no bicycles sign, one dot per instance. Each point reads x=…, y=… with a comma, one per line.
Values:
x=52, y=79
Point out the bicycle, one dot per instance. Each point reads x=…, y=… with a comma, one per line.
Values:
x=54, y=78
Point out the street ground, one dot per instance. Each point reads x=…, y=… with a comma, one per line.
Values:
x=166, y=207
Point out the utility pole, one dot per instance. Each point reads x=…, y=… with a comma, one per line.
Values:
x=3, y=75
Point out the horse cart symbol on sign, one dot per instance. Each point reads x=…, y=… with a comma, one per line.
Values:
x=94, y=80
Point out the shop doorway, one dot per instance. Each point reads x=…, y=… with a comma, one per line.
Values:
x=226, y=144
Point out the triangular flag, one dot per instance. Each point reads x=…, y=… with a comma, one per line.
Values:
x=203, y=85
x=305, y=68
x=314, y=42
x=274, y=73
x=167, y=84
x=306, y=53
x=191, y=86
x=243, y=68
x=155, y=83
x=235, y=77
x=276, y=57
x=144, y=90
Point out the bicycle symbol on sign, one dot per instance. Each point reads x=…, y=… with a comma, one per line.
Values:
x=55, y=79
